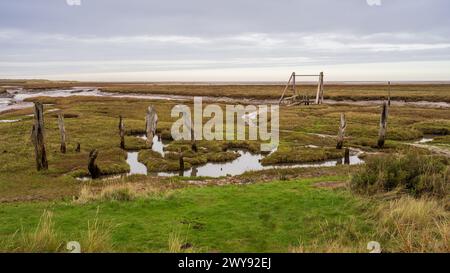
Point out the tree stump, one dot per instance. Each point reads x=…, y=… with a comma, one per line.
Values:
x=341, y=133
x=37, y=137
x=94, y=170
x=62, y=132
x=151, y=122
x=383, y=125
x=121, y=133
x=78, y=148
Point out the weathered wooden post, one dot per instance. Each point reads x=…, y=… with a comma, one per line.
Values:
x=319, y=94
x=122, y=133
x=347, y=156
x=78, y=149
x=92, y=166
x=151, y=122
x=181, y=161
x=37, y=137
x=389, y=93
x=341, y=133
x=62, y=132
x=383, y=125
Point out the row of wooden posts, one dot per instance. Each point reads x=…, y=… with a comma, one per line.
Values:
x=38, y=138
x=381, y=132
x=151, y=121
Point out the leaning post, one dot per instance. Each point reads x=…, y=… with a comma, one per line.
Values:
x=121, y=133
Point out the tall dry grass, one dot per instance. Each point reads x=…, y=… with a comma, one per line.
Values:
x=45, y=239
x=414, y=225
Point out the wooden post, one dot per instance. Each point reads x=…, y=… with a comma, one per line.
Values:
x=62, y=132
x=181, y=161
x=383, y=125
x=92, y=166
x=122, y=133
x=389, y=93
x=286, y=88
x=347, y=156
x=78, y=149
x=341, y=133
x=319, y=93
x=37, y=137
x=151, y=122
x=293, y=84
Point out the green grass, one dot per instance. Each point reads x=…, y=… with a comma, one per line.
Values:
x=267, y=217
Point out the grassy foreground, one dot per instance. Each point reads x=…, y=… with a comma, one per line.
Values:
x=267, y=217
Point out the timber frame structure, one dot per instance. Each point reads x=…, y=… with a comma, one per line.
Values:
x=298, y=98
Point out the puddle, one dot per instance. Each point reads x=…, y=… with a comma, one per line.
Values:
x=9, y=120
x=251, y=162
x=136, y=167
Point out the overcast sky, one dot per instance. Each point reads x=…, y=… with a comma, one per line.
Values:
x=233, y=40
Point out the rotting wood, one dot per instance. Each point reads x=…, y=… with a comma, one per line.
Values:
x=181, y=161
x=37, y=137
x=151, y=122
x=389, y=93
x=62, y=132
x=94, y=170
x=383, y=125
x=341, y=133
x=122, y=132
x=347, y=156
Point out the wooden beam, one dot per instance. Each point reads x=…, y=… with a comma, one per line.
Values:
x=286, y=88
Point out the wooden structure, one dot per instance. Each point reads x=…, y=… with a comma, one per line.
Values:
x=94, y=170
x=341, y=133
x=297, y=98
x=37, y=137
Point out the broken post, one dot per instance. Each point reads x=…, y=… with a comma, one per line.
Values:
x=341, y=133
x=78, y=149
x=151, y=122
x=347, y=156
x=389, y=93
x=122, y=133
x=94, y=170
x=37, y=137
x=62, y=132
x=181, y=161
x=383, y=125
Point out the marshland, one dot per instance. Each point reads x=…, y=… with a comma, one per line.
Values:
x=226, y=196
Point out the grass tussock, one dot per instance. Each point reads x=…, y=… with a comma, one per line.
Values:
x=419, y=175
x=414, y=225
x=45, y=238
x=177, y=243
